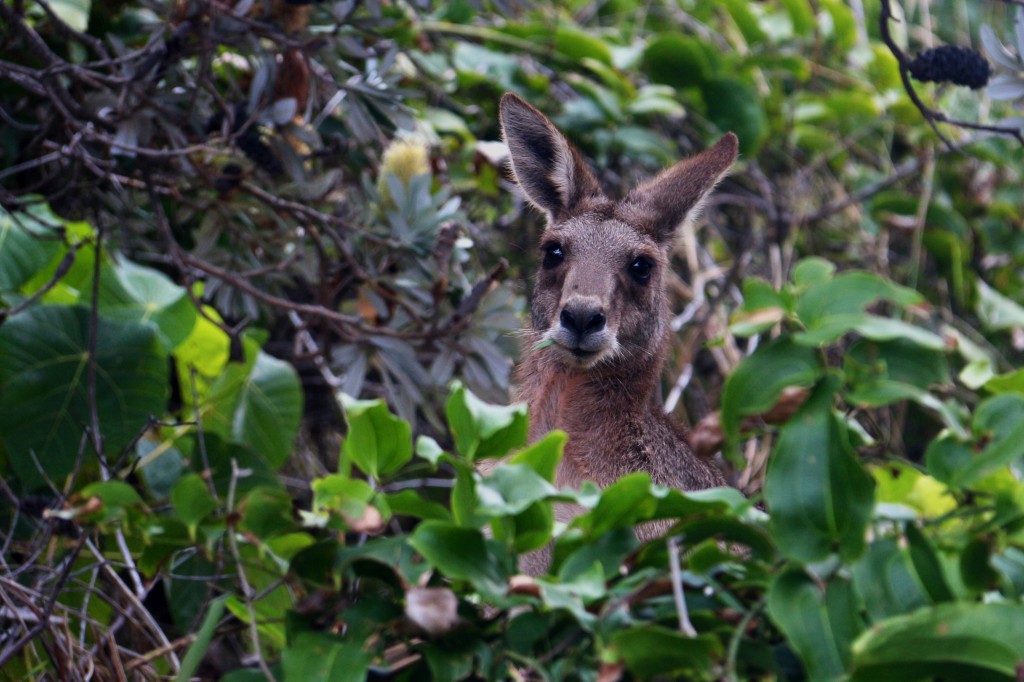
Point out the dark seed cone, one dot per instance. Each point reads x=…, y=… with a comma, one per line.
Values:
x=952, y=64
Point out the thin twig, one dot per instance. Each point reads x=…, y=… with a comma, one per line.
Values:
x=685, y=626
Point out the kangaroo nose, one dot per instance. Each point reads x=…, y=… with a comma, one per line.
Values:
x=582, y=322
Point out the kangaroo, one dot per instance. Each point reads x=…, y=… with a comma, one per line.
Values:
x=600, y=298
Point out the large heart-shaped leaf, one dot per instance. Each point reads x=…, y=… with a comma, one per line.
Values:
x=44, y=387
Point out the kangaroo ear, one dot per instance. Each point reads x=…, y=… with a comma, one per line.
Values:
x=678, y=193
x=548, y=168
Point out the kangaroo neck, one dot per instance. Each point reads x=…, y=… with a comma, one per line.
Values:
x=586, y=404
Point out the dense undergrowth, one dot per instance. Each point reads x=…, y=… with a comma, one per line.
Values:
x=260, y=276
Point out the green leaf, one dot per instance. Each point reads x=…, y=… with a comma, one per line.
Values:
x=459, y=553
x=811, y=271
x=196, y=651
x=831, y=328
x=266, y=513
x=956, y=641
x=510, y=489
x=622, y=504
x=44, y=396
x=74, y=13
x=269, y=409
x=483, y=430
x=678, y=60
x=342, y=495
x=192, y=500
x=161, y=469
x=411, y=503
x=999, y=426
x=849, y=293
x=896, y=360
x=801, y=14
x=996, y=311
x=317, y=657
x=257, y=403
x=132, y=293
x=746, y=20
x=428, y=449
x=819, y=495
x=27, y=245
x=651, y=651
x=544, y=455
x=733, y=105
x=763, y=307
x=887, y=582
x=378, y=442
x=757, y=383
x=820, y=624
x=116, y=496
x=928, y=566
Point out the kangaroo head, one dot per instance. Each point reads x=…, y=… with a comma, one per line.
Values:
x=600, y=294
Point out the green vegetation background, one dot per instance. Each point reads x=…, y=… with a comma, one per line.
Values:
x=261, y=272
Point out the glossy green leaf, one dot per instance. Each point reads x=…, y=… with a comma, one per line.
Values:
x=849, y=293
x=192, y=500
x=269, y=409
x=819, y=620
x=44, y=387
x=958, y=641
x=318, y=657
x=26, y=247
x=484, y=430
x=544, y=455
x=887, y=581
x=928, y=566
x=257, y=403
x=341, y=495
x=651, y=651
x=459, y=553
x=377, y=442
x=678, y=60
x=733, y=105
x=132, y=293
x=999, y=426
x=266, y=513
x=510, y=488
x=831, y=328
x=196, y=651
x=411, y=503
x=757, y=383
x=74, y=13
x=819, y=495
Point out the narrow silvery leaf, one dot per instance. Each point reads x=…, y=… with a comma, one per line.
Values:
x=283, y=110
x=126, y=139
x=1005, y=86
x=1019, y=30
x=996, y=51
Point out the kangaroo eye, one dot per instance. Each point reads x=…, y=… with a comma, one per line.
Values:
x=553, y=255
x=640, y=269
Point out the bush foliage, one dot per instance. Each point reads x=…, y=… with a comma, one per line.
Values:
x=260, y=277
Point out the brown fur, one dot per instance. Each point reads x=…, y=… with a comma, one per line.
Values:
x=598, y=383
